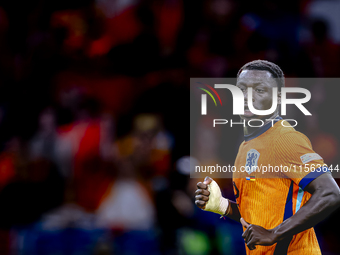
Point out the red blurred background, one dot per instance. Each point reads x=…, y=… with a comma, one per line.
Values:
x=94, y=116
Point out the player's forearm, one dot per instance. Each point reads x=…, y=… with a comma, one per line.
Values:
x=320, y=205
x=234, y=213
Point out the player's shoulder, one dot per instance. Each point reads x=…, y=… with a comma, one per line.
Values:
x=291, y=135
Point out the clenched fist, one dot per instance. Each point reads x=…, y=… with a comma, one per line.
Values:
x=209, y=197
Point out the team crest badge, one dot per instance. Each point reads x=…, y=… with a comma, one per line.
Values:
x=251, y=161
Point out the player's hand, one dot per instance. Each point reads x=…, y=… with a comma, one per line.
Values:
x=209, y=197
x=202, y=193
x=257, y=235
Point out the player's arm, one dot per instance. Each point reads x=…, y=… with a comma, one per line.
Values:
x=324, y=200
x=209, y=198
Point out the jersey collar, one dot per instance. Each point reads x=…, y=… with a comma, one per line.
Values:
x=261, y=130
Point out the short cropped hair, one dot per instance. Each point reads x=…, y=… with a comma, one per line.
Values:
x=264, y=65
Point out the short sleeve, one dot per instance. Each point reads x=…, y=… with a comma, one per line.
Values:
x=293, y=151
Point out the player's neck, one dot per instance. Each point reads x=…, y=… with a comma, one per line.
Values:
x=248, y=130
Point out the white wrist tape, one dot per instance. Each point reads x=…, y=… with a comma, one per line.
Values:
x=216, y=202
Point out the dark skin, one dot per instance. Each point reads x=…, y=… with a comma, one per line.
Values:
x=262, y=84
x=324, y=190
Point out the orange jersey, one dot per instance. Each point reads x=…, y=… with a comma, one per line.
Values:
x=268, y=196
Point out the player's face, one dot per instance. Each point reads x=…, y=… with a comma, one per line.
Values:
x=262, y=84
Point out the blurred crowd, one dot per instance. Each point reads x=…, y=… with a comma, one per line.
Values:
x=94, y=116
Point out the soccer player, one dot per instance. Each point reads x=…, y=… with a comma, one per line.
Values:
x=277, y=210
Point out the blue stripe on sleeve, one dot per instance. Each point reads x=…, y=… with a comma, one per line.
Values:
x=312, y=176
x=299, y=199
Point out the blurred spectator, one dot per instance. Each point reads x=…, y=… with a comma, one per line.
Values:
x=43, y=142
x=148, y=146
x=323, y=52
